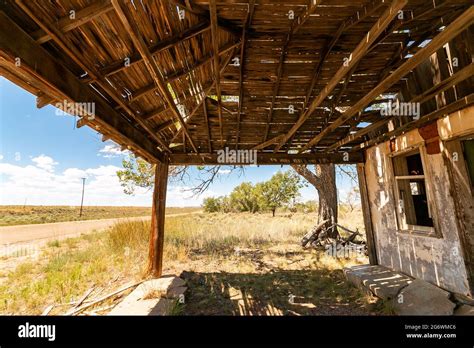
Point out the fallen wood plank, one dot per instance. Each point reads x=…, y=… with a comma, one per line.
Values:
x=84, y=297
x=48, y=309
x=313, y=234
x=347, y=230
x=105, y=297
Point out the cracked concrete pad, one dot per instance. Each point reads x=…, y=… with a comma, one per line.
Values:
x=381, y=281
x=422, y=298
x=163, y=307
x=165, y=283
x=149, y=297
x=176, y=292
x=464, y=310
x=155, y=306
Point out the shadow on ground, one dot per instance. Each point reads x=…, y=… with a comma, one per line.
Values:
x=278, y=292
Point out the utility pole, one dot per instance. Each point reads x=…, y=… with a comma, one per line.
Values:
x=82, y=199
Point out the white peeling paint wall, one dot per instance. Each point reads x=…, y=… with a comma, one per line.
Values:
x=436, y=260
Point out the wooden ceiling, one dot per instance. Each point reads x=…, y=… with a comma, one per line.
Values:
x=183, y=79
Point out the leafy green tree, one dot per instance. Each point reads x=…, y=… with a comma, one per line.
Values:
x=226, y=204
x=245, y=198
x=280, y=190
x=136, y=173
x=212, y=204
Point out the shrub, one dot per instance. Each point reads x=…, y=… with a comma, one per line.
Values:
x=213, y=205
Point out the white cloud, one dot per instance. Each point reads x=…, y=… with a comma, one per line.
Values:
x=40, y=185
x=112, y=150
x=224, y=171
x=44, y=162
x=1, y=157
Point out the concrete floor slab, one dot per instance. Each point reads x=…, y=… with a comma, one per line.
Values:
x=381, y=281
x=423, y=298
x=464, y=310
x=153, y=297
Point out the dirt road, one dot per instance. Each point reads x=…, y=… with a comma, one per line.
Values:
x=26, y=233
x=14, y=237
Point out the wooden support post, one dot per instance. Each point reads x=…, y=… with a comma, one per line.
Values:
x=155, y=254
x=364, y=199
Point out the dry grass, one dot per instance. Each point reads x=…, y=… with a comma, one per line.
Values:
x=234, y=264
x=21, y=215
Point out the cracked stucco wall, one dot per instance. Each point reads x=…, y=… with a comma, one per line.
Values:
x=436, y=260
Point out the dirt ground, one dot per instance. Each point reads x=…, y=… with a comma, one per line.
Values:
x=234, y=264
x=284, y=279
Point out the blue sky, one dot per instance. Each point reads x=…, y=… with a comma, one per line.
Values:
x=43, y=157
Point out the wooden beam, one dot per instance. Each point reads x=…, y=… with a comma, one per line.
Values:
x=460, y=76
x=463, y=74
x=164, y=108
x=359, y=134
x=180, y=73
x=435, y=115
x=81, y=17
x=64, y=85
x=365, y=202
x=192, y=113
x=217, y=77
x=202, y=12
x=74, y=54
x=247, y=23
x=358, y=53
x=215, y=103
x=365, y=12
x=43, y=99
x=164, y=126
x=404, y=48
x=268, y=159
x=151, y=65
x=157, y=233
x=454, y=29
x=339, y=94
x=296, y=24
x=205, y=93
x=269, y=142
x=161, y=46
x=208, y=129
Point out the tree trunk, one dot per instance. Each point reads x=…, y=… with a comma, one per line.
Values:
x=273, y=212
x=324, y=180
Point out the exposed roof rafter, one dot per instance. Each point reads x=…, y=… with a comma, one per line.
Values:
x=444, y=36
x=151, y=65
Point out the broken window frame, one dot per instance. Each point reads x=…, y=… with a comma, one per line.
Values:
x=402, y=226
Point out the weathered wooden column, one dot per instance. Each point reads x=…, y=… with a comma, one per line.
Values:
x=364, y=199
x=155, y=254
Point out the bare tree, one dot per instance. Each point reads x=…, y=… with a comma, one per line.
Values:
x=137, y=173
